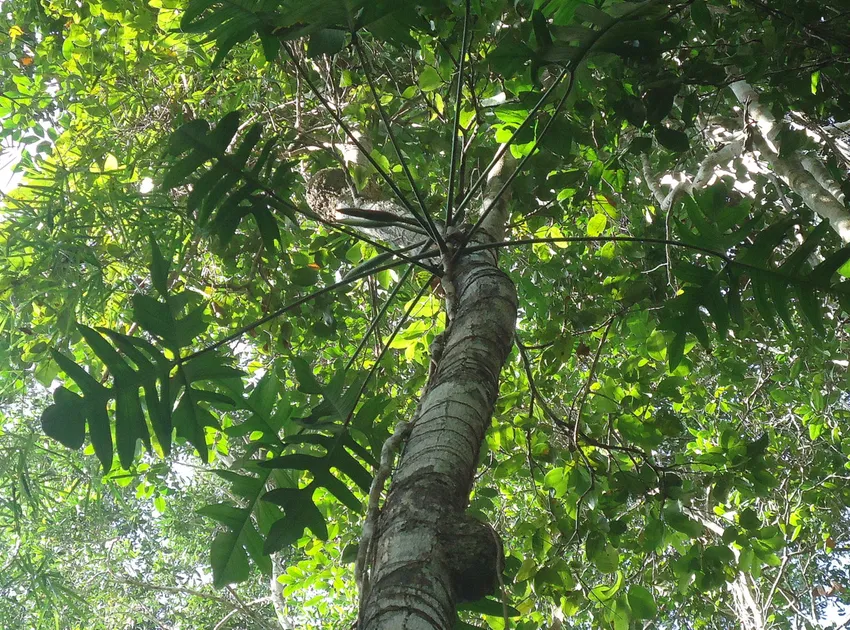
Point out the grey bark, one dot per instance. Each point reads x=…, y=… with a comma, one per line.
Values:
x=742, y=588
x=792, y=169
x=426, y=554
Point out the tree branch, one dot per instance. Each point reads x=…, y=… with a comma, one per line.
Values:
x=791, y=169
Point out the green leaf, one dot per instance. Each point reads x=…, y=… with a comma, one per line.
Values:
x=95, y=397
x=230, y=41
x=104, y=351
x=622, y=614
x=65, y=420
x=349, y=554
x=229, y=560
x=810, y=305
x=339, y=490
x=300, y=513
x=676, y=349
x=230, y=516
x=701, y=16
x=189, y=420
x=749, y=519
x=153, y=316
x=488, y=606
x=589, y=13
x=267, y=226
x=130, y=423
x=307, y=382
x=159, y=269
x=181, y=170
x=659, y=101
x=187, y=137
x=541, y=30
x=603, y=592
x=187, y=329
x=672, y=139
x=327, y=41
x=642, y=602
x=304, y=276
x=712, y=299
x=682, y=523
x=690, y=109
x=209, y=367
x=526, y=571
x=765, y=243
x=597, y=225
x=602, y=553
x=822, y=274
x=429, y=80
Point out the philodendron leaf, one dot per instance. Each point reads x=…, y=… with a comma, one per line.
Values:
x=130, y=426
x=95, y=397
x=229, y=560
x=299, y=513
x=159, y=269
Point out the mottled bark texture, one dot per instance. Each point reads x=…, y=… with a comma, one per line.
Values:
x=425, y=553
x=428, y=553
x=329, y=195
x=808, y=182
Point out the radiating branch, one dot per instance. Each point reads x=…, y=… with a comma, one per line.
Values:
x=386, y=347
x=438, y=237
x=606, y=239
x=482, y=179
x=579, y=57
x=354, y=140
x=493, y=203
x=456, y=124
x=378, y=316
x=302, y=300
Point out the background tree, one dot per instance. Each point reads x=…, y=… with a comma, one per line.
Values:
x=673, y=168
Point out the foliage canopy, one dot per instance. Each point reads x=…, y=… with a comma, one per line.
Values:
x=668, y=446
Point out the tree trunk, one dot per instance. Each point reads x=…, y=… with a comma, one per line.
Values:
x=424, y=555
x=428, y=554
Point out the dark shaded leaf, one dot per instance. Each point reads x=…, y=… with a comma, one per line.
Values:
x=672, y=139
x=65, y=420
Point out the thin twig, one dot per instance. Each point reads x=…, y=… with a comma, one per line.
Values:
x=510, y=178
x=378, y=316
x=235, y=335
x=385, y=348
x=589, y=382
x=473, y=190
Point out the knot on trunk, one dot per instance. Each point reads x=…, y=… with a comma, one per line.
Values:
x=474, y=555
x=327, y=190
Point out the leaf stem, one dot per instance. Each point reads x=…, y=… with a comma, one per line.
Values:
x=302, y=300
x=374, y=323
x=456, y=124
x=388, y=124
x=339, y=121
